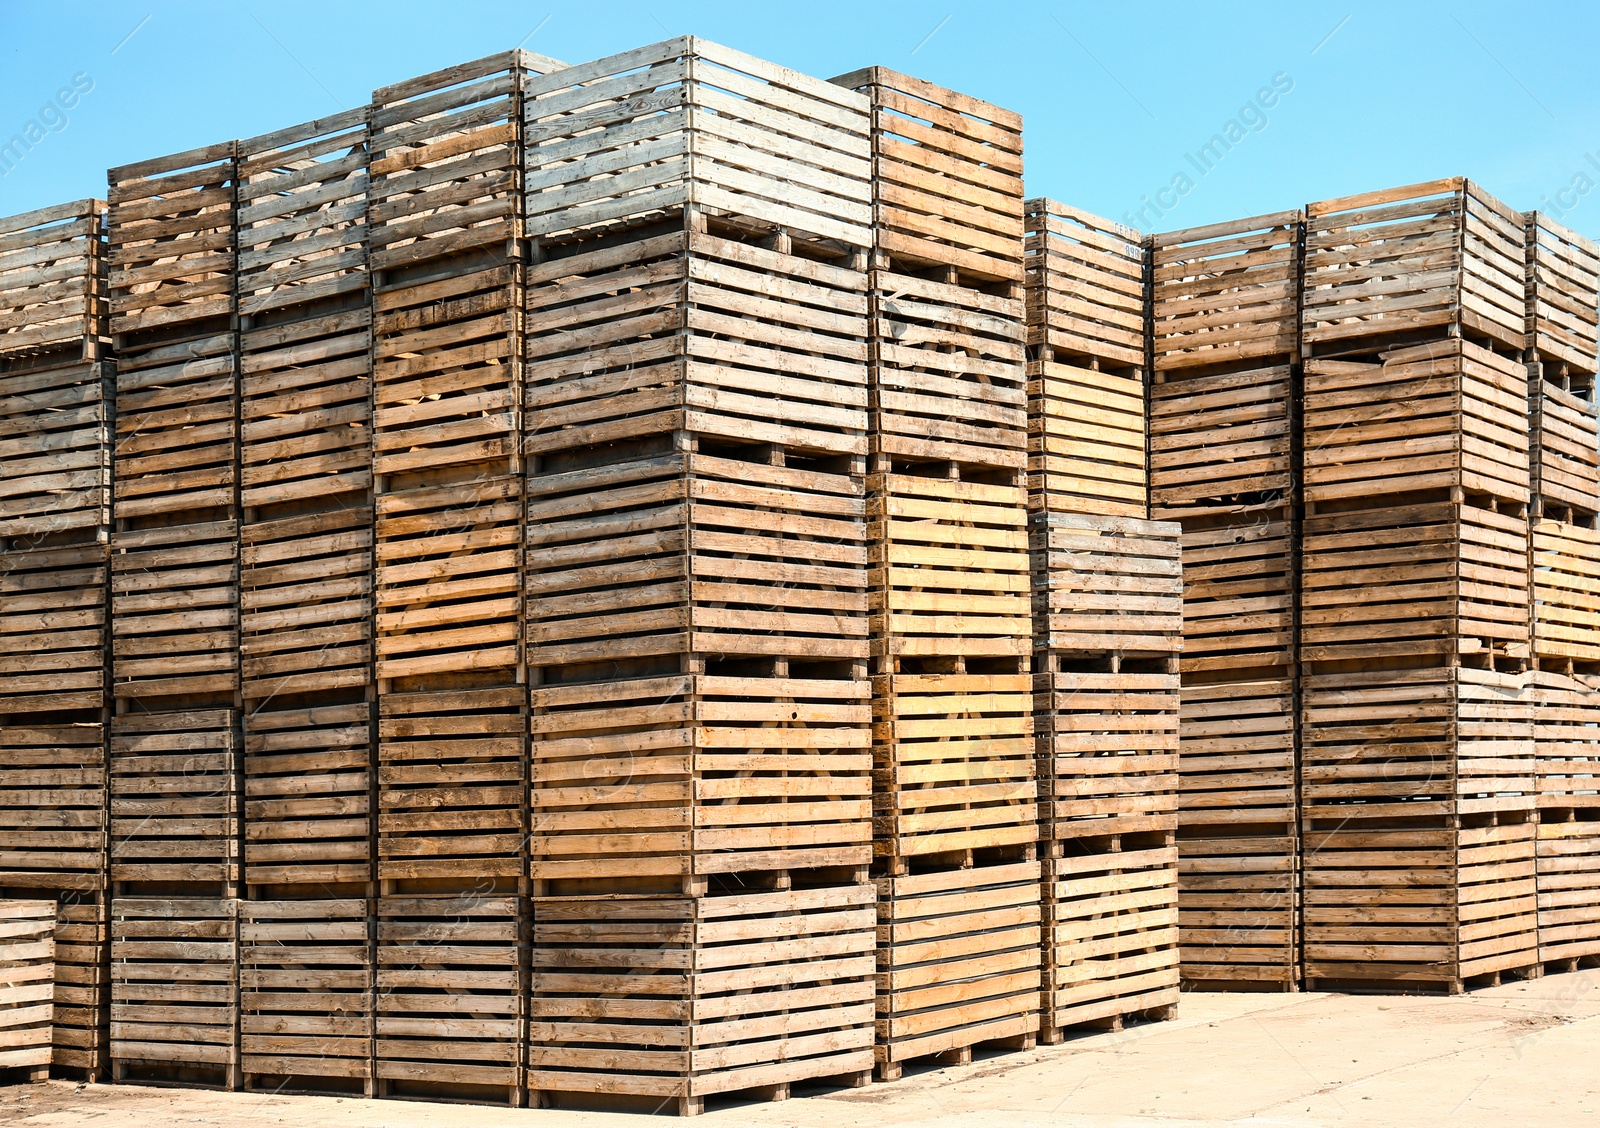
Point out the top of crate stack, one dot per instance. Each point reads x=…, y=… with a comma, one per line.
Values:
x=1563, y=294
x=52, y=286
x=947, y=179
x=639, y=138
x=1409, y=264
x=1224, y=296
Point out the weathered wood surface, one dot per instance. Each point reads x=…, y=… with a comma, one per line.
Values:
x=27, y=970
x=174, y=986
x=53, y=306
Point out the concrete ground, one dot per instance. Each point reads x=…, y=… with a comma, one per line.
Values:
x=1515, y=1054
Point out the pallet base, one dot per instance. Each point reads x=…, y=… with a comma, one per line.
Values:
x=893, y=1070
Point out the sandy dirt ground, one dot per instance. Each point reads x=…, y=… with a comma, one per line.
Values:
x=1517, y=1054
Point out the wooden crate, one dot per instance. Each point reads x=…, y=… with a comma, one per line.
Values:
x=305, y=385
x=27, y=970
x=1566, y=735
x=1239, y=584
x=1416, y=578
x=174, y=989
x=1106, y=584
x=307, y=783
x=1086, y=441
x=1239, y=905
x=953, y=764
x=1085, y=289
x=174, y=807
x=451, y=990
x=452, y=784
x=445, y=162
x=53, y=629
x=1563, y=444
x=609, y=144
x=1220, y=439
x=1111, y=932
x=172, y=234
x=1439, y=416
x=1237, y=753
x=1416, y=902
x=949, y=379
x=53, y=285
x=53, y=805
x=1566, y=581
x=1108, y=748
x=1568, y=864
x=1225, y=296
x=949, y=566
x=656, y=778
x=1563, y=292
x=55, y=450
x=1410, y=263
x=82, y=990
x=306, y=998
x=958, y=961
x=674, y=999
x=946, y=177
x=1435, y=741
x=695, y=330
x=175, y=612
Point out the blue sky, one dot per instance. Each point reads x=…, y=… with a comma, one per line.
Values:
x=1116, y=98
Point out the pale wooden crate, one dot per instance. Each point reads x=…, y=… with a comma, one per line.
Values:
x=660, y=778
x=1239, y=905
x=1219, y=439
x=1568, y=853
x=953, y=764
x=174, y=811
x=55, y=441
x=1418, y=902
x=1111, y=932
x=53, y=286
x=1430, y=577
x=688, y=124
x=53, y=626
x=1107, y=749
x=674, y=998
x=53, y=805
x=174, y=989
x=1087, y=435
x=1564, y=455
x=174, y=609
x=1106, y=584
x=949, y=382
x=308, y=774
x=958, y=961
x=1566, y=734
x=451, y=995
x=1563, y=296
x=452, y=783
x=946, y=177
x=306, y=998
x=1411, y=263
x=82, y=985
x=1432, y=741
x=27, y=971
x=949, y=566
x=1086, y=290
x=1225, y=296
x=1447, y=414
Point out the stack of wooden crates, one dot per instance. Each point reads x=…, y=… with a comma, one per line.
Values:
x=1418, y=773
x=697, y=577
x=1108, y=629
x=55, y=526
x=1223, y=463
x=1563, y=290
